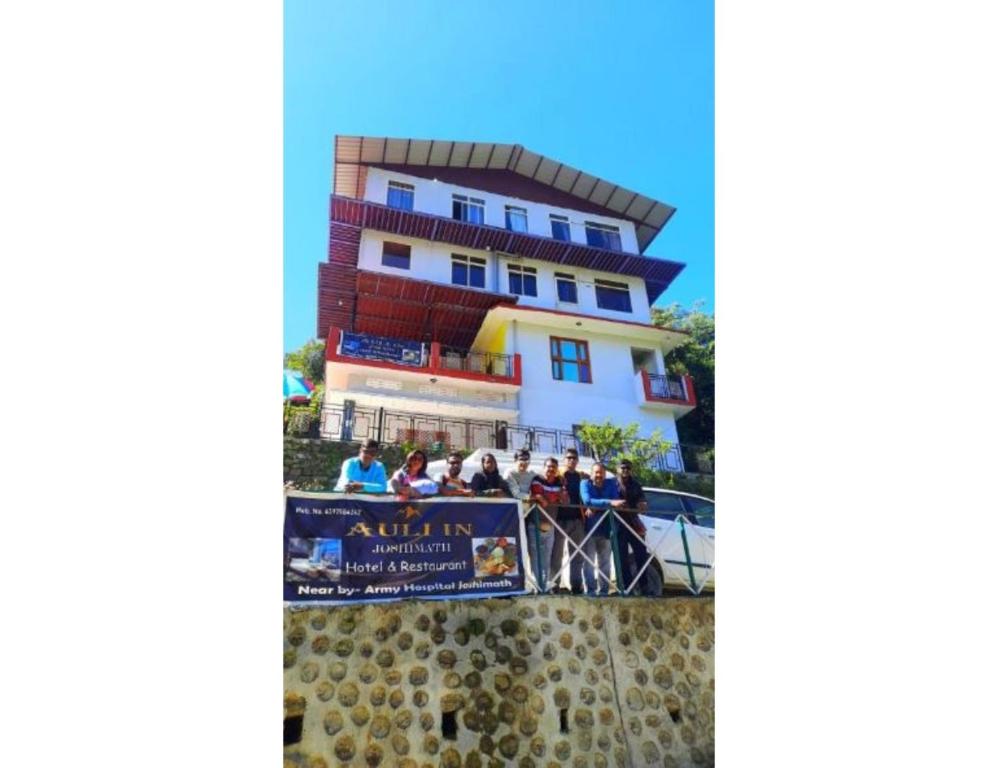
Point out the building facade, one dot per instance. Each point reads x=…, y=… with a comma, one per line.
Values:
x=482, y=295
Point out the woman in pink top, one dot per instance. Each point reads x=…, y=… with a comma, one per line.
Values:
x=411, y=481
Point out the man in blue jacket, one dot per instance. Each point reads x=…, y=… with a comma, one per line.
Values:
x=599, y=494
x=363, y=473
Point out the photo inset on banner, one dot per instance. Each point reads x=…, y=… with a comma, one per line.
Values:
x=311, y=559
x=494, y=557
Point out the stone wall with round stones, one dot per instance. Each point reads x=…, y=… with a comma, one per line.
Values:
x=543, y=682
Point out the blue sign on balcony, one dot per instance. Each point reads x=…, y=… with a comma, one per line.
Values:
x=379, y=348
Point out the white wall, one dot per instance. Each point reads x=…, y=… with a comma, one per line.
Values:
x=546, y=402
x=434, y=197
x=432, y=261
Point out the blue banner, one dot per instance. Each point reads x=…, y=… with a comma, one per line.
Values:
x=380, y=348
x=349, y=548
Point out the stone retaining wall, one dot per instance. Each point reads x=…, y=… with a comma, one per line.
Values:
x=538, y=681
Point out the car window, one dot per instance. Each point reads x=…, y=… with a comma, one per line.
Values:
x=702, y=510
x=663, y=505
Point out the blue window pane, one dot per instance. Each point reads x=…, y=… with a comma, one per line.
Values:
x=568, y=291
x=516, y=221
x=476, y=214
x=477, y=276
x=601, y=238
x=561, y=231
x=608, y=298
x=569, y=350
x=515, y=283
x=556, y=369
x=584, y=373
x=530, y=285
x=400, y=198
x=458, y=210
x=395, y=260
x=571, y=371
x=458, y=273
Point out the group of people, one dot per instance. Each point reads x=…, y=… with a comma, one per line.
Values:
x=564, y=508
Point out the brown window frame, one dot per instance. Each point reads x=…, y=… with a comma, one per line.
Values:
x=398, y=251
x=583, y=361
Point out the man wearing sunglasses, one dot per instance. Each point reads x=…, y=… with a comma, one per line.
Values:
x=363, y=473
x=571, y=521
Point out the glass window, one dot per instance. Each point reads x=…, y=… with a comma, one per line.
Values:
x=522, y=280
x=516, y=219
x=560, y=229
x=570, y=360
x=664, y=505
x=610, y=295
x=400, y=195
x=568, y=291
x=395, y=255
x=701, y=509
x=469, y=209
x=467, y=270
x=603, y=236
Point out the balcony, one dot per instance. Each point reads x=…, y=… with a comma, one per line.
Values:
x=432, y=361
x=673, y=393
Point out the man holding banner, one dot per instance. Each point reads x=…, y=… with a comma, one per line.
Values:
x=363, y=473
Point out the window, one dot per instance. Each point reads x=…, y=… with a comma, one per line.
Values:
x=568, y=291
x=516, y=219
x=522, y=280
x=570, y=360
x=702, y=511
x=395, y=255
x=467, y=270
x=610, y=295
x=603, y=236
x=469, y=209
x=664, y=505
x=400, y=195
x=560, y=229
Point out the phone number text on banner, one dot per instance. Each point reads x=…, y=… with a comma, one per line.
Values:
x=349, y=548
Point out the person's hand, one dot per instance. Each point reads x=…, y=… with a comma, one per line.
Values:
x=618, y=503
x=353, y=487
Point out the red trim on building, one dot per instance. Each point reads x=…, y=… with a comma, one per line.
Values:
x=434, y=369
x=649, y=397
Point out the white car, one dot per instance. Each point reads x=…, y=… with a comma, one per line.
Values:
x=679, y=527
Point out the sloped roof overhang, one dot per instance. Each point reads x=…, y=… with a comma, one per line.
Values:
x=419, y=310
x=351, y=153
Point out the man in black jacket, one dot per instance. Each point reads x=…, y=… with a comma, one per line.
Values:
x=634, y=496
x=571, y=521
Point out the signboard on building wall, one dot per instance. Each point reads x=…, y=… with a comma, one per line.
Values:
x=348, y=548
x=381, y=348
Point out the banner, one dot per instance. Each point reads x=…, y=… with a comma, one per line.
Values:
x=380, y=348
x=353, y=548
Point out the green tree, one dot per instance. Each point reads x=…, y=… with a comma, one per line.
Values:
x=309, y=360
x=694, y=357
x=612, y=442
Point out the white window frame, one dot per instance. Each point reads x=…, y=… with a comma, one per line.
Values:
x=520, y=211
x=612, y=285
x=404, y=187
x=469, y=262
x=605, y=228
x=522, y=271
x=561, y=220
x=564, y=277
x=467, y=202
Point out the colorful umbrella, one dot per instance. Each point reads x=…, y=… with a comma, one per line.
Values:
x=296, y=386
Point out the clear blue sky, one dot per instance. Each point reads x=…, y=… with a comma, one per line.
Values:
x=622, y=90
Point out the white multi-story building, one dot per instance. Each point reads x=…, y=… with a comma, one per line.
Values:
x=482, y=295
